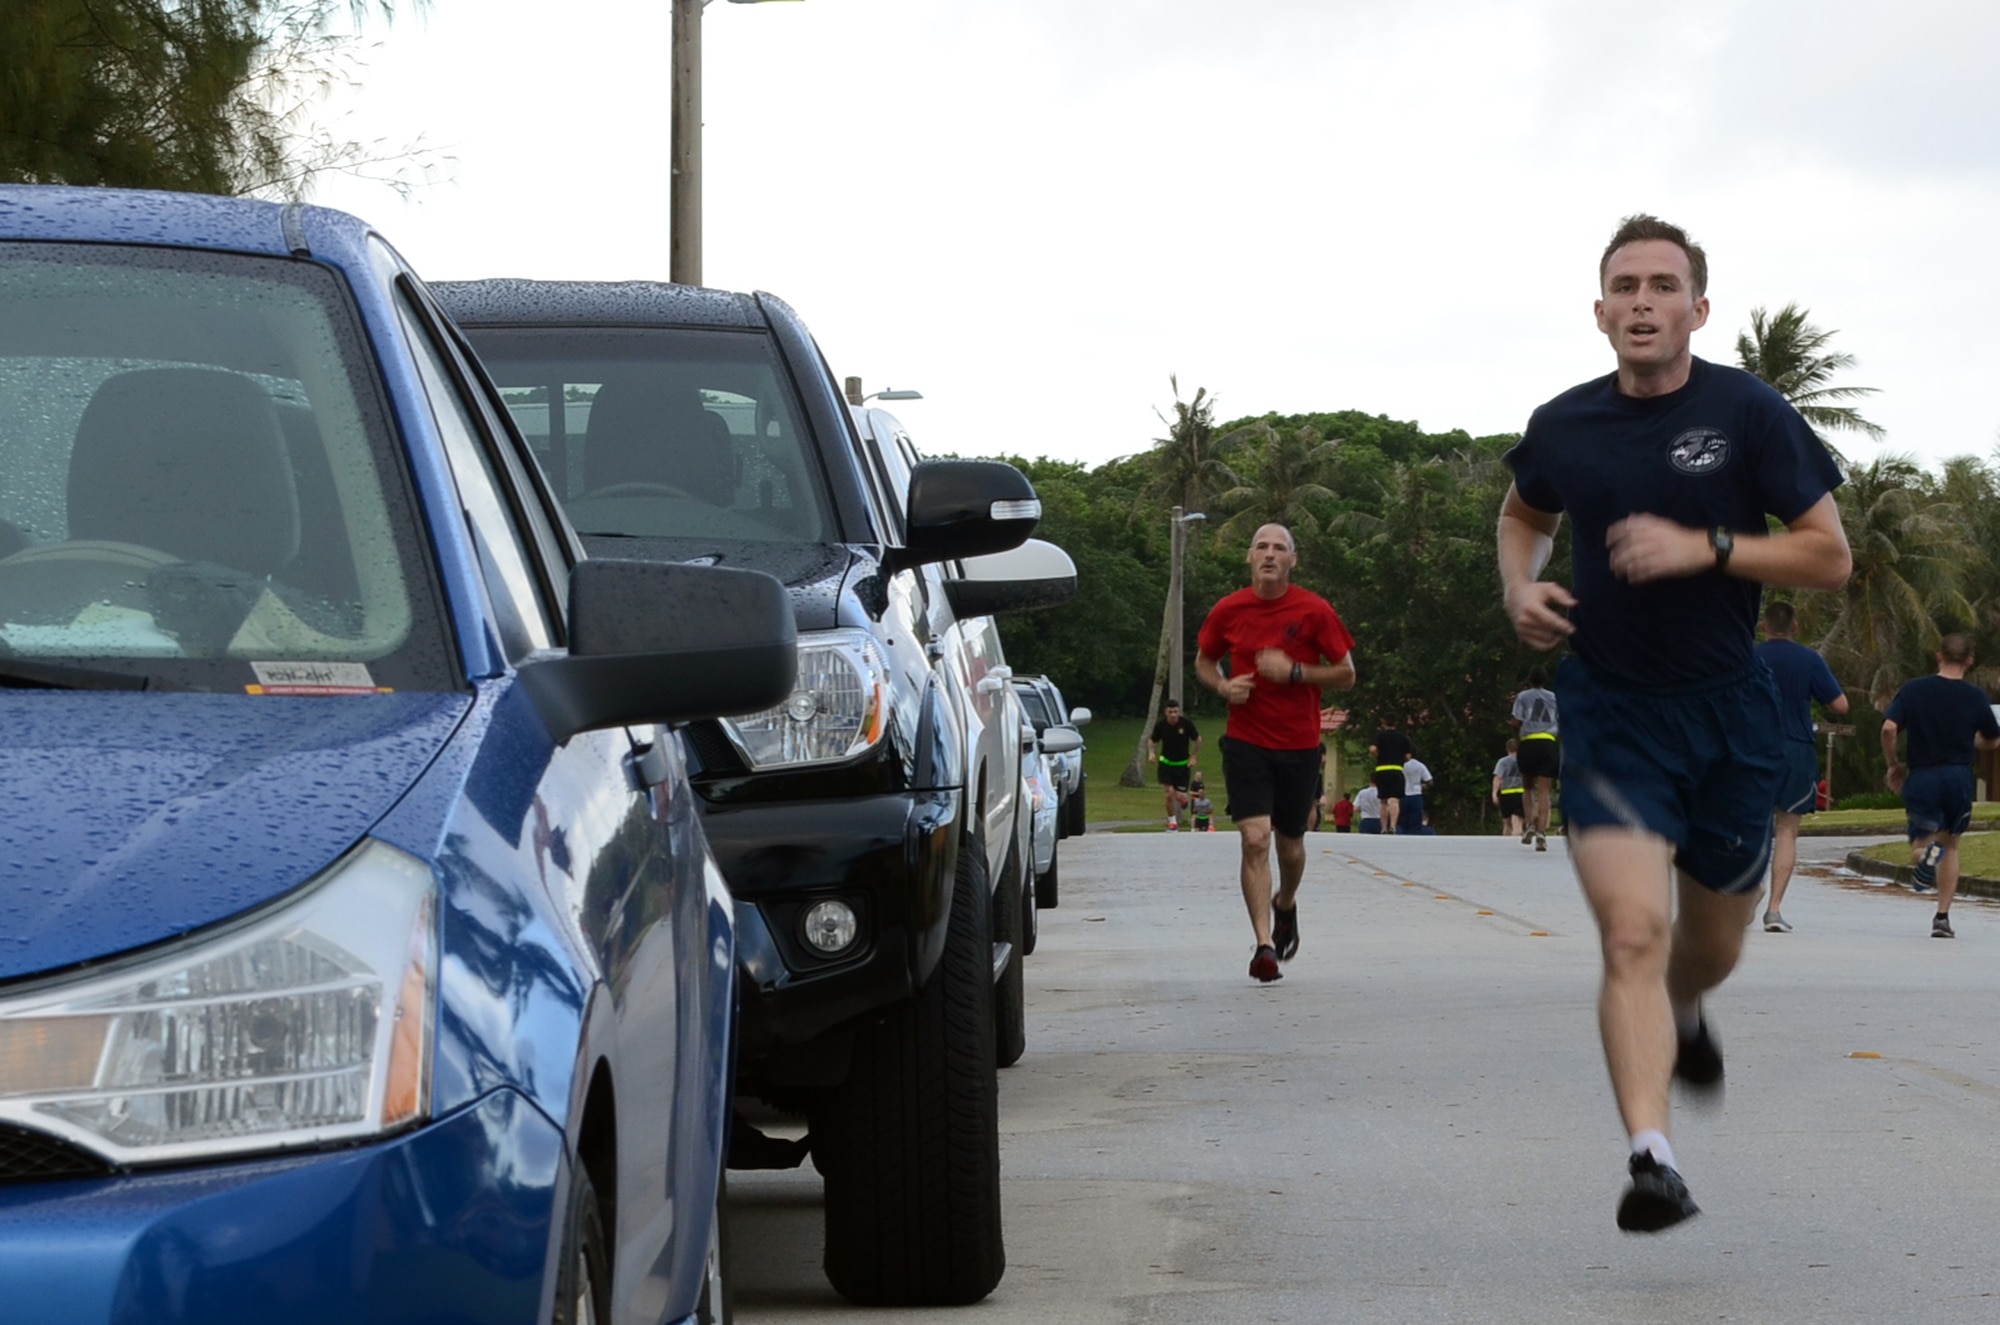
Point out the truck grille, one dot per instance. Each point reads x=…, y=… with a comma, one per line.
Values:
x=32, y=1157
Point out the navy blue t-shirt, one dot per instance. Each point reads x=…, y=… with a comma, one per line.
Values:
x=1941, y=716
x=1802, y=677
x=1724, y=450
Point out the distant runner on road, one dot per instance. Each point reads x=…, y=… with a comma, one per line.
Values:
x=1667, y=468
x=1947, y=718
x=1175, y=744
x=1507, y=789
x=1802, y=676
x=1534, y=718
x=1387, y=753
x=1283, y=643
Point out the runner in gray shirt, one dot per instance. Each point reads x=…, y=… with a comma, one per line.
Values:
x=1541, y=762
x=1507, y=790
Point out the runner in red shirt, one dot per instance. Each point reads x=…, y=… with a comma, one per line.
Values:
x=1282, y=644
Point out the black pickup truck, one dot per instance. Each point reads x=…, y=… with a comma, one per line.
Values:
x=868, y=827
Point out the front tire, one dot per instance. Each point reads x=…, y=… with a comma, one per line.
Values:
x=910, y=1142
x=1048, y=887
x=716, y=1306
x=583, y=1275
x=1010, y=993
x=1073, y=813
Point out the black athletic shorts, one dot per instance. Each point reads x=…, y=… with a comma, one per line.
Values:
x=1174, y=775
x=1388, y=780
x=1274, y=783
x=1539, y=757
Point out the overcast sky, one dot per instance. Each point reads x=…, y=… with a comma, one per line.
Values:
x=1036, y=211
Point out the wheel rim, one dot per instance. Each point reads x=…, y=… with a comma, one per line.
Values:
x=583, y=1310
x=712, y=1298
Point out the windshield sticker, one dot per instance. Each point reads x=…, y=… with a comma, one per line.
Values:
x=313, y=678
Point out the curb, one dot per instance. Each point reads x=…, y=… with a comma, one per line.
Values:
x=1901, y=875
x=1808, y=829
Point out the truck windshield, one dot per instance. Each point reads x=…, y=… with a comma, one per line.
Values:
x=662, y=433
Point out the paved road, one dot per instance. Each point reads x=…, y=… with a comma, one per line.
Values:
x=1414, y=1125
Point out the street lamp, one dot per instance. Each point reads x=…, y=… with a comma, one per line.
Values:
x=684, y=153
x=1180, y=523
x=851, y=386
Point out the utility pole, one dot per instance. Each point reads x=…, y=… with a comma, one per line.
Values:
x=1174, y=604
x=684, y=207
x=1169, y=661
x=1174, y=596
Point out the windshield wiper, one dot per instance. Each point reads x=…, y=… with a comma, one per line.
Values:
x=22, y=674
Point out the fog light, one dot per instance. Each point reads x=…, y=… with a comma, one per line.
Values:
x=830, y=927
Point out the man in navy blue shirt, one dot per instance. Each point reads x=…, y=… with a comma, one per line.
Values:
x=1947, y=717
x=1667, y=469
x=1802, y=676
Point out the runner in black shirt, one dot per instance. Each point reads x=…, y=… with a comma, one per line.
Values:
x=1947, y=717
x=1671, y=739
x=1175, y=744
x=1388, y=752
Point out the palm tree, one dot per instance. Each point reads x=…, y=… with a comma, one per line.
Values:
x=1911, y=553
x=1188, y=471
x=1288, y=477
x=1786, y=350
x=1188, y=464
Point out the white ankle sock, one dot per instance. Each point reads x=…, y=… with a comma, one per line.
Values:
x=1656, y=1144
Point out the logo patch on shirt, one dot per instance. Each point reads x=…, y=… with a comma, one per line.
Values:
x=1699, y=451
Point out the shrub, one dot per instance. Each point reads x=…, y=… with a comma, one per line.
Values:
x=1871, y=800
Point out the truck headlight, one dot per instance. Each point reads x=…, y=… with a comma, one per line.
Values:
x=307, y=1023
x=837, y=710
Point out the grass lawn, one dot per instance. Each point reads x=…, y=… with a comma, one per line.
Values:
x=1109, y=743
x=1985, y=815
x=1978, y=853
x=1108, y=748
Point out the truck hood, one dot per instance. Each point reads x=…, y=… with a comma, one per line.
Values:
x=130, y=818
x=812, y=572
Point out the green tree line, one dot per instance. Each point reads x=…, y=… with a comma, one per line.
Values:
x=202, y=96
x=1395, y=528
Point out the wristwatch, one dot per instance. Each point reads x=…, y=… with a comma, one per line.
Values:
x=1298, y=672
x=1724, y=543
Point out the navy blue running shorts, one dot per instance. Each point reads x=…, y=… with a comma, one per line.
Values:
x=1698, y=766
x=1938, y=799
x=1798, y=792
x=1275, y=783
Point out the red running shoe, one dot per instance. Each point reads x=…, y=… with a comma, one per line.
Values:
x=1285, y=931
x=1264, y=965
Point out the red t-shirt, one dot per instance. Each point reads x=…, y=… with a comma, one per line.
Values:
x=1278, y=716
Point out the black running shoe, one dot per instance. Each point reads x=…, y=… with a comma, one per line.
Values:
x=1285, y=931
x=1264, y=964
x=1941, y=926
x=1656, y=1199
x=1699, y=1060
